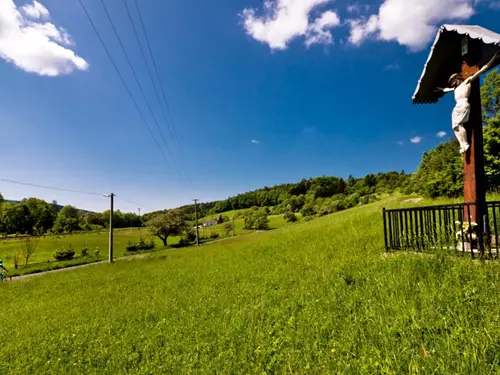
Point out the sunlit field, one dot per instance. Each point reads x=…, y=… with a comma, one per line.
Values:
x=318, y=297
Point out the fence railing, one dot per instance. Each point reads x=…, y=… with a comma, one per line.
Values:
x=443, y=227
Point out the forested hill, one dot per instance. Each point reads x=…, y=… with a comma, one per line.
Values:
x=319, y=195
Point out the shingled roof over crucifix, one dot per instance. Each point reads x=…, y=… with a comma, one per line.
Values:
x=446, y=56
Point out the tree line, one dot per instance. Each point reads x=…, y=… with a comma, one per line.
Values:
x=34, y=216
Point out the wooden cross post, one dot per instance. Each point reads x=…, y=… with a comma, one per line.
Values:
x=474, y=176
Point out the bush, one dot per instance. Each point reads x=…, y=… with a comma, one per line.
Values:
x=190, y=236
x=65, y=254
x=261, y=223
x=17, y=257
x=131, y=246
x=214, y=235
x=290, y=217
x=183, y=242
x=228, y=227
x=84, y=251
x=308, y=210
x=97, y=251
x=256, y=218
x=140, y=245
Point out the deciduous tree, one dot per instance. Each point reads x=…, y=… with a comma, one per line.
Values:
x=170, y=224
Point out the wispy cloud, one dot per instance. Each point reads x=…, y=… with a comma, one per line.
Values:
x=400, y=143
x=256, y=142
x=33, y=44
x=309, y=129
x=393, y=66
x=416, y=139
x=357, y=8
x=441, y=134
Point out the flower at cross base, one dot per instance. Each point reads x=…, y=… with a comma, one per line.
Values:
x=468, y=231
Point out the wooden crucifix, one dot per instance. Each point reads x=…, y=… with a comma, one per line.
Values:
x=474, y=176
x=459, y=55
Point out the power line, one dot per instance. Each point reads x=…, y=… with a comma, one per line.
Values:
x=69, y=190
x=139, y=84
x=129, y=201
x=49, y=187
x=158, y=77
x=173, y=135
x=123, y=81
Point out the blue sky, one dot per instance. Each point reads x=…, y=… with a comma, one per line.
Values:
x=259, y=94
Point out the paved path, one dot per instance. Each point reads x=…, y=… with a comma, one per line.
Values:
x=142, y=255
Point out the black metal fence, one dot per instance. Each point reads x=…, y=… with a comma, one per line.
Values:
x=443, y=227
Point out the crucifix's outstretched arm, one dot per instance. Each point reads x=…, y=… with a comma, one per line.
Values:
x=483, y=69
x=445, y=90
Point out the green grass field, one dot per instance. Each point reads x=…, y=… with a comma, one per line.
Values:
x=43, y=258
x=318, y=297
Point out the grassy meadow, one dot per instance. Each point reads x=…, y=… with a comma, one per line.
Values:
x=317, y=297
x=43, y=258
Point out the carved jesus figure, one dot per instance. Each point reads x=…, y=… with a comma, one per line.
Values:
x=460, y=114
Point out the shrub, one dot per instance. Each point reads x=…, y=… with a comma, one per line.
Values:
x=140, y=245
x=190, y=236
x=256, y=218
x=290, y=217
x=84, y=251
x=228, y=227
x=147, y=244
x=17, y=257
x=97, y=251
x=214, y=235
x=308, y=218
x=261, y=223
x=183, y=242
x=29, y=248
x=308, y=210
x=131, y=246
x=64, y=254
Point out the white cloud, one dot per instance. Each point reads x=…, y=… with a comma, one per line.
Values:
x=36, y=11
x=34, y=46
x=400, y=143
x=416, y=140
x=254, y=141
x=285, y=20
x=362, y=29
x=412, y=23
x=319, y=32
x=441, y=134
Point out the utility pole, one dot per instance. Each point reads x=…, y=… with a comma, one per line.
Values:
x=139, y=209
x=233, y=226
x=111, y=196
x=196, y=219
